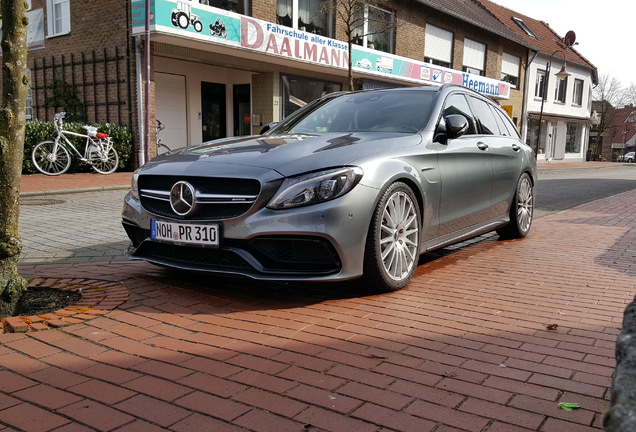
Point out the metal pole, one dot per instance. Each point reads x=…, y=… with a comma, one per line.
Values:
x=544, y=95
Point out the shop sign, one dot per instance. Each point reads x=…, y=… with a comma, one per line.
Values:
x=198, y=21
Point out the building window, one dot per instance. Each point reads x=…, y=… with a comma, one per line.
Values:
x=242, y=7
x=438, y=47
x=377, y=30
x=297, y=91
x=510, y=69
x=58, y=14
x=524, y=27
x=577, y=98
x=573, y=138
x=561, y=89
x=313, y=16
x=474, y=57
x=539, y=85
x=29, y=99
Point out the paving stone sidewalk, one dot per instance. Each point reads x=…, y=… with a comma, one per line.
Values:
x=490, y=335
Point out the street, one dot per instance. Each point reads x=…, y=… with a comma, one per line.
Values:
x=490, y=335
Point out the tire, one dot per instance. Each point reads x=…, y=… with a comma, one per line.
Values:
x=521, y=210
x=106, y=165
x=183, y=20
x=392, y=247
x=50, y=160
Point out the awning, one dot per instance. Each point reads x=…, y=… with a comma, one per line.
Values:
x=552, y=117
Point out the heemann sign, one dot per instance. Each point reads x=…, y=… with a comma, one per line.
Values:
x=198, y=21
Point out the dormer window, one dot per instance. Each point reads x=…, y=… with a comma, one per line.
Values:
x=524, y=27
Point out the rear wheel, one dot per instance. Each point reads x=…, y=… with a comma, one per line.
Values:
x=521, y=210
x=392, y=248
x=105, y=162
x=50, y=159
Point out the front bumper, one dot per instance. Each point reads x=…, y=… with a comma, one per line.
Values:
x=321, y=242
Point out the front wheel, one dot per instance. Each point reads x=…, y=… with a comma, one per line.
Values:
x=392, y=248
x=50, y=158
x=521, y=210
x=104, y=162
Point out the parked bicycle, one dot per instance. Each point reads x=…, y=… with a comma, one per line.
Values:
x=53, y=157
x=161, y=147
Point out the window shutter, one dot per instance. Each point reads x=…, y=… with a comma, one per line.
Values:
x=474, y=54
x=510, y=65
x=438, y=44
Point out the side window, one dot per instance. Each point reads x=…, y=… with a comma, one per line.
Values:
x=457, y=104
x=507, y=124
x=485, y=117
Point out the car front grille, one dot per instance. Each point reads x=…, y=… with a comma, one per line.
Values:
x=216, y=198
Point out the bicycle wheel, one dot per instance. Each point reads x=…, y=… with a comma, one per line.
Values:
x=104, y=161
x=51, y=159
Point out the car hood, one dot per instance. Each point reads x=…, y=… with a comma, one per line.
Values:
x=287, y=154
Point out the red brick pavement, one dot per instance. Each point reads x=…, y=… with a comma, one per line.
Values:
x=466, y=346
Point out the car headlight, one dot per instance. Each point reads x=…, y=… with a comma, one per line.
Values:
x=134, y=188
x=315, y=187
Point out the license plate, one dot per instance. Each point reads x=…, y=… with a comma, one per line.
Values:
x=198, y=234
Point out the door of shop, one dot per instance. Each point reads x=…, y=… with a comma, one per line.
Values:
x=242, y=119
x=213, y=106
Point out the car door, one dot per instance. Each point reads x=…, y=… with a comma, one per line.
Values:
x=506, y=155
x=465, y=165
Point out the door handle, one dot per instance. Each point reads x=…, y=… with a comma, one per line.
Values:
x=482, y=146
x=516, y=147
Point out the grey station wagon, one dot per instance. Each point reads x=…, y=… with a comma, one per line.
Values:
x=353, y=185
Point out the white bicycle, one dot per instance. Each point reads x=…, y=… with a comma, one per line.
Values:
x=54, y=157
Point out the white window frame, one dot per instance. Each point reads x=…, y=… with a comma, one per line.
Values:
x=365, y=28
x=58, y=17
x=539, y=89
x=296, y=15
x=510, y=67
x=474, y=57
x=577, y=94
x=561, y=90
x=438, y=45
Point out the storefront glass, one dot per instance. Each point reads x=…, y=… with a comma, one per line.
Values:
x=298, y=91
x=574, y=138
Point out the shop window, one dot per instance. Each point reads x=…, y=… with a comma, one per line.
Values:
x=58, y=13
x=577, y=98
x=298, y=91
x=313, y=16
x=561, y=90
x=438, y=46
x=474, y=57
x=242, y=7
x=539, y=87
x=377, y=30
x=573, y=138
x=510, y=69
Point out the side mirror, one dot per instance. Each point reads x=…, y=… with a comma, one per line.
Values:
x=267, y=127
x=450, y=127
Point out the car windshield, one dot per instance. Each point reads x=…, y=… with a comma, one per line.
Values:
x=373, y=111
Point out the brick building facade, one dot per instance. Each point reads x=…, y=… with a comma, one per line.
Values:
x=205, y=85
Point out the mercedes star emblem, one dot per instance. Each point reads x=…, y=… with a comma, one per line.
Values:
x=182, y=198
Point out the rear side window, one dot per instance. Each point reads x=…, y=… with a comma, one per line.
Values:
x=457, y=104
x=485, y=117
x=505, y=124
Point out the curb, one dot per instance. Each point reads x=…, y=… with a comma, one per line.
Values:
x=97, y=298
x=76, y=190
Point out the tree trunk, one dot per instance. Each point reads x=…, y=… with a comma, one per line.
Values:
x=12, y=124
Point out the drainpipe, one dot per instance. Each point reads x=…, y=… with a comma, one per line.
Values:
x=524, y=104
x=141, y=150
x=147, y=86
